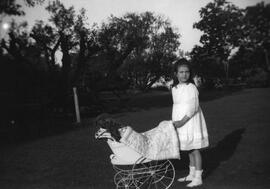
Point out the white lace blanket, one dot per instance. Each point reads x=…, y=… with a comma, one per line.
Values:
x=156, y=144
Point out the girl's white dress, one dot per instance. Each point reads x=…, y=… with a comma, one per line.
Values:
x=193, y=135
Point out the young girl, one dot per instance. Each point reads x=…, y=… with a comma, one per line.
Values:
x=189, y=121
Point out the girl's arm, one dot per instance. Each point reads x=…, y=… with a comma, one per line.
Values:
x=180, y=123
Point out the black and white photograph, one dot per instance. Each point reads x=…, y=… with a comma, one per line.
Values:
x=134, y=94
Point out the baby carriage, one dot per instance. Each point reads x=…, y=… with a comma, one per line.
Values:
x=134, y=171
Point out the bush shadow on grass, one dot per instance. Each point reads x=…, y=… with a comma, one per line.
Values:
x=213, y=157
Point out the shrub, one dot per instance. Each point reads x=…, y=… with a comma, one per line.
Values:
x=258, y=79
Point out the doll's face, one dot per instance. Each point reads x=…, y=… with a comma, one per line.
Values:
x=183, y=74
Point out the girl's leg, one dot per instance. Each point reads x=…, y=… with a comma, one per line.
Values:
x=191, y=174
x=197, y=180
x=197, y=159
x=191, y=159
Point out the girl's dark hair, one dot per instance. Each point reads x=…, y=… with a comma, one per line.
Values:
x=179, y=63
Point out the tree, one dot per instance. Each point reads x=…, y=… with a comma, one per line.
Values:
x=87, y=45
x=221, y=23
x=24, y=62
x=19, y=44
x=74, y=36
x=256, y=30
x=47, y=40
x=251, y=61
x=140, y=47
x=77, y=43
x=206, y=66
x=11, y=7
x=63, y=19
x=34, y=53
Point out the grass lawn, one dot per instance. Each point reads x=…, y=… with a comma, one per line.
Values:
x=238, y=156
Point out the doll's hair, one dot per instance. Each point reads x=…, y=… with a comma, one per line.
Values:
x=177, y=64
x=106, y=121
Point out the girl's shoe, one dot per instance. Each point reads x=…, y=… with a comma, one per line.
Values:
x=190, y=176
x=197, y=180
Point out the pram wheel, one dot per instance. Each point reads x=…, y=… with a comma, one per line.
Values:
x=123, y=180
x=153, y=175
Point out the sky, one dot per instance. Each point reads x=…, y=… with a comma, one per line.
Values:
x=182, y=13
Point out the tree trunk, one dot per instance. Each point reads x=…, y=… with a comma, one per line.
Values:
x=267, y=65
x=66, y=67
x=266, y=60
x=81, y=59
x=152, y=82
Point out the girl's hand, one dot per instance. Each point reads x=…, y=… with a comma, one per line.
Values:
x=178, y=124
